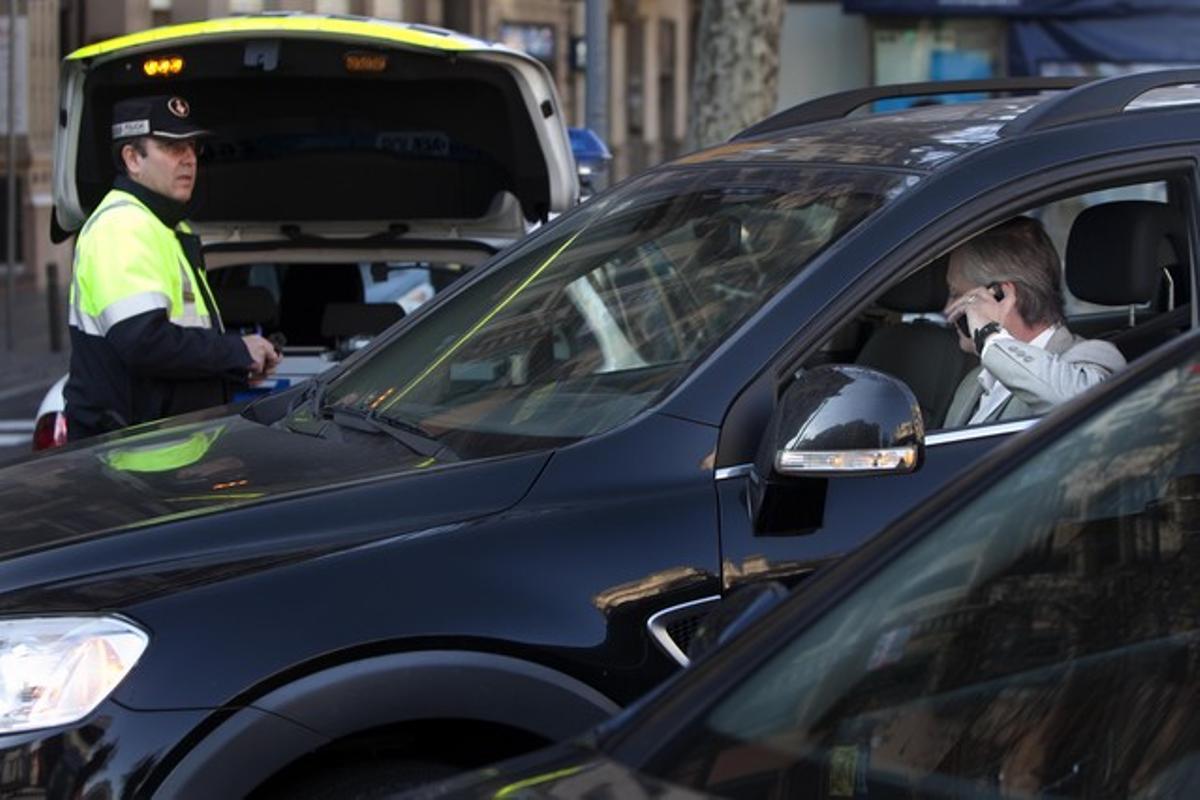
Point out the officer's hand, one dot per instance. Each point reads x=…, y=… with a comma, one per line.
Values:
x=263, y=355
x=274, y=356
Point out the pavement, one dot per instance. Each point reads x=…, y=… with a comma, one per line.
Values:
x=28, y=364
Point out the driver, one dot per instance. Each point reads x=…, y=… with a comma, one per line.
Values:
x=1005, y=287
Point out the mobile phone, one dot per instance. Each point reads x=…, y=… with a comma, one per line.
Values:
x=963, y=327
x=961, y=323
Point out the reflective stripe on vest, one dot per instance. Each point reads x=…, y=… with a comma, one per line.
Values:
x=119, y=311
x=191, y=316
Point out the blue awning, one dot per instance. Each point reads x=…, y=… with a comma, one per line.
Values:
x=1019, y=8
x=1072, y=37
x=1102, y=46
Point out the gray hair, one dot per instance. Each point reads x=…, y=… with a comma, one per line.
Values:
x=1019, y=252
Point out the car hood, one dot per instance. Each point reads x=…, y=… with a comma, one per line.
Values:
x=328, y=125
x=181, y=470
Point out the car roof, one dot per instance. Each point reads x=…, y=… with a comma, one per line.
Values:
x=919, y=140
x=925, y=137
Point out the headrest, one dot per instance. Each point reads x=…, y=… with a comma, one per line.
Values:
x=343, y=320
x=246, y=306
x=923, y=291
x=1116, y=251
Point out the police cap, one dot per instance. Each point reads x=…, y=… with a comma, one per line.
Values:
x=168, y=116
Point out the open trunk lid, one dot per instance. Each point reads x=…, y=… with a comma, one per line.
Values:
x=329, y=125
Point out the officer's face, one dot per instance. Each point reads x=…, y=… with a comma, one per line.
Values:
x=168, y=167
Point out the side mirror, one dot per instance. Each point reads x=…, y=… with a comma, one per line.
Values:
x=835, y=420
x=843, y=420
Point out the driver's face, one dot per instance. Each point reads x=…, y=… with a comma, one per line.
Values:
x=955, y=282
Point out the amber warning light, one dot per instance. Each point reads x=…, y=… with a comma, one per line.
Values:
x=365, y=62
x=162, y=67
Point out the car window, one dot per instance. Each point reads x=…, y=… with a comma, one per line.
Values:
x=904, y=333
x=1042, y=641
x=591, y=320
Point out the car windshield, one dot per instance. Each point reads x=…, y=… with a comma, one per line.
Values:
x=1043, y=641
x=584, y=325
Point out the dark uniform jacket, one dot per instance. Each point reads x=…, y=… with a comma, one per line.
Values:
x=146, y=336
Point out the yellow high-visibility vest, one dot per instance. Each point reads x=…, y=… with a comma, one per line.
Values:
x=127, y=262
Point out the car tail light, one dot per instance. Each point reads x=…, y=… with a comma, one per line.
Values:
x=50, y=431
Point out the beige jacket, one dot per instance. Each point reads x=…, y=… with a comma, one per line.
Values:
x=1038, y=378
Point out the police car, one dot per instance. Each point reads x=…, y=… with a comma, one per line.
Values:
x=357, y=166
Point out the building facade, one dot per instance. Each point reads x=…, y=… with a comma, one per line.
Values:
x=36, y=42
x=833, y=45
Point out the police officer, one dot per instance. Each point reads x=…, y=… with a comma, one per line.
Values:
x=146, y=337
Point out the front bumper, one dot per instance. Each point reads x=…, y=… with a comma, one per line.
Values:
x=120, y=752
x=112, y=753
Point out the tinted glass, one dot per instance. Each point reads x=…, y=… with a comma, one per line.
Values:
x=1045, y=641
x=294, y=299
x=589, y=322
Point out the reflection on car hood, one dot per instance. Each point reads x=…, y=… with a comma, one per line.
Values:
x=565, y=771
x=169, y=472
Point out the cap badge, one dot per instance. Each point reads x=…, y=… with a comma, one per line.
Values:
x=179, y=107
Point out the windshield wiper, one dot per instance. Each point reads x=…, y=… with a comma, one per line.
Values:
x=414, y=437
x=312, y=399
x=411, y=436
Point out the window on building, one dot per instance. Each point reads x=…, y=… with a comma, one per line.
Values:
x=160, y=12
x=918, y=50
x=333, y=6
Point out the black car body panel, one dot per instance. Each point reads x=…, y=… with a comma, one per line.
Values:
x=304, y=580
x=137, y=480
x=625, y=755
x=411, y=580
x=369, y=693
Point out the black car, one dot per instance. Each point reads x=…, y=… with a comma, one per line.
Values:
x=1032, y=632
x=500, y=521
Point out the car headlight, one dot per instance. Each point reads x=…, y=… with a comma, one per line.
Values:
x=56, y=670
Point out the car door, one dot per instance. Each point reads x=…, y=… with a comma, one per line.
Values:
x=835, y=515
x=818, y=519
x=1033, y=641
